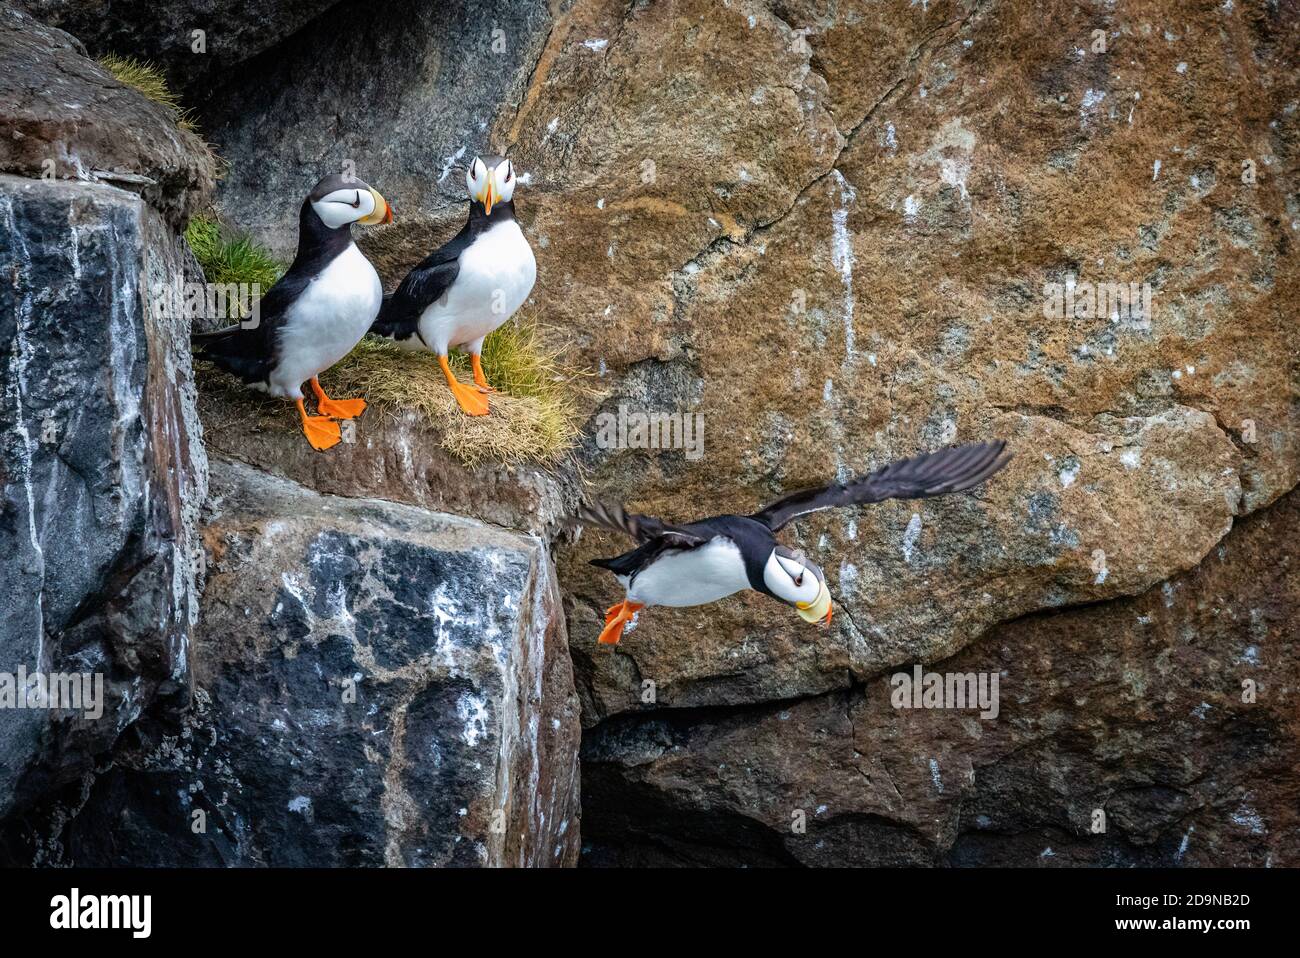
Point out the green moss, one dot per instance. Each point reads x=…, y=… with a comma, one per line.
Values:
x=149, y=80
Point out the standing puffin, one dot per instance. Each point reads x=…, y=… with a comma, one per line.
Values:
x=682, y=565
x=468, y=287
x=315, y=313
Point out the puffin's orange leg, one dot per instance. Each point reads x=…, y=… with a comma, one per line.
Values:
x=479, y=379
x=336, y=408
x=471, y=400
x=321, y=431
x=616, y=617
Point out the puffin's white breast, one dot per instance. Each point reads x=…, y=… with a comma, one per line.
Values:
x=691, y=576
x=497, y=272
x=327, y=319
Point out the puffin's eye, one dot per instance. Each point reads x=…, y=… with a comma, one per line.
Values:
x=798, y=580
x=509, y=173
x=356, y=204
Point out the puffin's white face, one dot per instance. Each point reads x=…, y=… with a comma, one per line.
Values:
x=353, y=204
x=490, y=185
x=794, y=579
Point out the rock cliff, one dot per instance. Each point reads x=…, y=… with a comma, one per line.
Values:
x=359, y=682
x=102, y=469
x=839, y=233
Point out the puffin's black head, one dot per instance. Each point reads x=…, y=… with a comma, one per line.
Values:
x=490, y=180
x=793, y=579
x=340, y=200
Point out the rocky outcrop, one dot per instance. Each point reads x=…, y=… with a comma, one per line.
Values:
x=392, y=456
x=404, y=97
x=375, y=685
x=1154, y=730
x=101, y=473
x=63, y=116
x=369, y=683
x=196, y=41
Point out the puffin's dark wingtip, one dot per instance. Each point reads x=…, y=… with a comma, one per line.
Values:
x=995, y=463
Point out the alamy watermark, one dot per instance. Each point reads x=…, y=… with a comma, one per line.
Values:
x=234, y=302
x=630, y=429
x=1074, y=300
x=68, y=691
x=945, y=690
x=73, y=911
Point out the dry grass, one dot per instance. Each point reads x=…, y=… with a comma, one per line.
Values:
x=533, y=418
x=149, y=80
x=534, y=413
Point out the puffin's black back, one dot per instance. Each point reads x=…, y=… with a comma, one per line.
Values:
x=399, y=317
x=754, y=540
x=251, y=353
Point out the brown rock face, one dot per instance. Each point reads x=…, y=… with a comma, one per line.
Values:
x=840, y=258
x=63, y=116
x=841, y=234
x=1160, y=729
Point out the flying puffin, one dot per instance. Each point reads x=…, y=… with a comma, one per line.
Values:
x=316, y=312
x=468, y=287
x=701, y=562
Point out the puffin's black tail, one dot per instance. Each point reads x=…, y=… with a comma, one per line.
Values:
x=215, y=336
x=385, y=323
x=628, y=562
x=233, y=352
x=395, y=320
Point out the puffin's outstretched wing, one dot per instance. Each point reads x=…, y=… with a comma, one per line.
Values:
x=930, y=474
x=399, y=317
x=641, y=528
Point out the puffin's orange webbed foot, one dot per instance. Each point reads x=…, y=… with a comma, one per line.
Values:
x=321, y=431
x=471, y=399
x=616, y=617
x=336, y=408
x=479, y=379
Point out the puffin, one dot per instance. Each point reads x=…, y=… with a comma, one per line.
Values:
x=707, y=560
x=315, y=313
x=469, y=286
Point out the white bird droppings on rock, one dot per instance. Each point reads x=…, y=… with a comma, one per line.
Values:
x=910, y=536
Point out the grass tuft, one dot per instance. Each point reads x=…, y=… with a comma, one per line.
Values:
x=149, y=80
x=534, y=415
x=229, y=258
